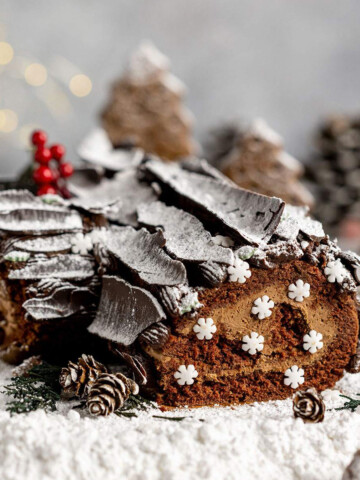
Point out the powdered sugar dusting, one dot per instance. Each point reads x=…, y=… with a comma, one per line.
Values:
x=260, y=441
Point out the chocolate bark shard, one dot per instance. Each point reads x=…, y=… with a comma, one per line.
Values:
x=50, y=244
x=97, y=149
x=64, y=301
x=61, y=266
x=118, y=197
x=295, y=220
x=246, y=216
x=186, y=237
x=124, y=311
x=143, y=254
x=22, y=212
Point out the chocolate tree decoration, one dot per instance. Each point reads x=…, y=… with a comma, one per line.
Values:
x=309, y=406
x=124, y=311
x=77, y=378
x=109, y=393
x=22, y=212
x=143, y=254
x=146, y=110
x=336, y=170
x=254, y=159
x=246, y=216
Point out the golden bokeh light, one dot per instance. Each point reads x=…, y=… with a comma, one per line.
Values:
x=6, y=53
x=36, y=74
x=80, y=85
x=8, y=120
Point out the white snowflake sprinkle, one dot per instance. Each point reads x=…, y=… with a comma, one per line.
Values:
x=81, y=244
x=299, y=291
x=335, y=271
x=262, y=307
x=239, y=272
x=304, y=244
x=253, y=344
x=223, y=241
x=313, y=341
x=294, y=376
x=204, y=328
x=98, y=235
x=185, y=375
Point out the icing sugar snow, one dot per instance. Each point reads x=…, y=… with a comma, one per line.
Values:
x=146, y=63
x=250, y=442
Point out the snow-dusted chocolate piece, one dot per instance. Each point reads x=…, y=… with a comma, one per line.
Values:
x=198, y=165
x=186, y=237
x=97, y=149
x=61, y=266
x=50, y=244
x=118, y=197
x=179, y=300
x=142, y=252
x=64, y=301
x=155, y=336
x=212, y=273
x=124, y=311
x=244, y=215
x=22, y=212
x=295, y=220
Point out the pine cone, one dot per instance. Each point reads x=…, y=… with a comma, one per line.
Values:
x=309, y=406
x=77, y=378
x=109, y=393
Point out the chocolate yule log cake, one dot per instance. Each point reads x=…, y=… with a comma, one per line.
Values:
x=210, y=294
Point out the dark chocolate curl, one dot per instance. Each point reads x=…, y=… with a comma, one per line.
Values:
x=124, y=311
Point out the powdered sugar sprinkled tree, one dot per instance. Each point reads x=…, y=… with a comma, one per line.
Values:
x=146, y=109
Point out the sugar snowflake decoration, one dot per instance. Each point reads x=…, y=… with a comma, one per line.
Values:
x=98, y=235
x=239, y=272
x=253, y=344
x=299, y=291
x=313, y=341
x=262, y=307
x=335, y=271
x=185, y=375
x=81, y=244
x=223, y=241
x=17, y=256
x=294, y=376
x=204, y=328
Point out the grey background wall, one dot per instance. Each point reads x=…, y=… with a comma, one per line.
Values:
x=289, y=61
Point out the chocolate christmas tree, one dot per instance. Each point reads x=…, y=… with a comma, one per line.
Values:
x=146, y=110
x=254, y=158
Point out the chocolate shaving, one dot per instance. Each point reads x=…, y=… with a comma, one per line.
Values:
x=62, y=266
x=244, y=215
x=22, y=212
x=124, y=311
x=143, y=254
x=155, y=336
x=65, y=301
x=133, y=362
x=186, y=237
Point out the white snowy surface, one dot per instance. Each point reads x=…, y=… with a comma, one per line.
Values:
x=260, y=441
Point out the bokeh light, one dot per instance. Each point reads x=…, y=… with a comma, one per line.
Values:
x=8, y=121
x=6, y=53
x=36, y=74
x=80, y=85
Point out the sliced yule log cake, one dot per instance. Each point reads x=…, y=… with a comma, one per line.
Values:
x=211, y=294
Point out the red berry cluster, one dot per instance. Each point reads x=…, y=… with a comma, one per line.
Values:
x=51, y=171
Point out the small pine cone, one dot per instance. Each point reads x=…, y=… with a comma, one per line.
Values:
x=109, y=393
x=77, y=378
x=309, y=406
